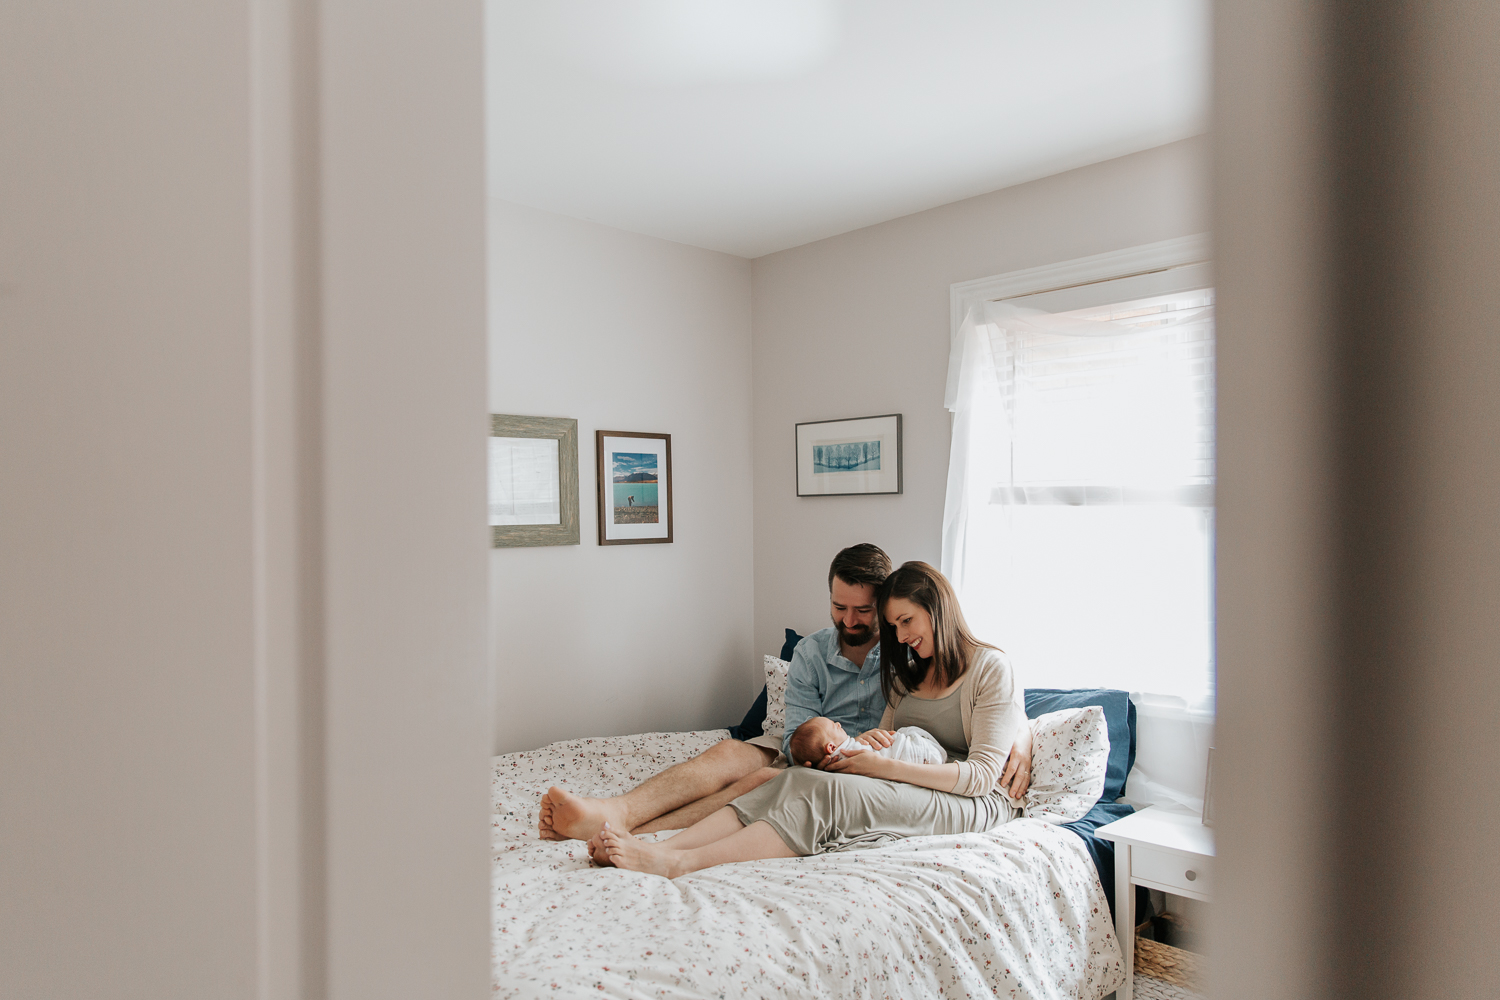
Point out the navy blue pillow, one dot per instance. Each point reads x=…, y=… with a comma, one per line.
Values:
x=792, y=638
x=1119, y=716
x=754, y=722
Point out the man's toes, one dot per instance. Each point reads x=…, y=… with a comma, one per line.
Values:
x=544, y=826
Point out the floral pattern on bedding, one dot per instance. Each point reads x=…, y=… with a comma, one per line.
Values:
x=1069, y=760
x=1017, y=912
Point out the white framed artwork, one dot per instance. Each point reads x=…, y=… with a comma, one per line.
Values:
x=852, y=457
x=635, y=487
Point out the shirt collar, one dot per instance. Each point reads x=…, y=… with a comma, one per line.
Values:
x=843, y=662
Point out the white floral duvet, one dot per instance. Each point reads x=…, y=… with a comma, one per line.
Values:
x=1013, y=913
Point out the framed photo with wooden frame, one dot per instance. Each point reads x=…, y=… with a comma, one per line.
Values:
x=533, y=481
x=635, y=487
x=853, y=457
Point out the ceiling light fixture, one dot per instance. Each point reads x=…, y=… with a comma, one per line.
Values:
x=681, y=42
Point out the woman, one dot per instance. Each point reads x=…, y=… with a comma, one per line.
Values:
x=935, y=675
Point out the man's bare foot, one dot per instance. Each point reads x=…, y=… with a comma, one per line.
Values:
x=565, y=816
x=624, y=851
x=544, y=819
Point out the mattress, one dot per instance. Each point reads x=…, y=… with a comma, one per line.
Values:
x=1017, y=912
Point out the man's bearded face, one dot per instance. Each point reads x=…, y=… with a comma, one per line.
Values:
x=853, y=607
x=856, y=636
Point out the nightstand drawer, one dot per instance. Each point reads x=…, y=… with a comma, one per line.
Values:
x=1175, y=870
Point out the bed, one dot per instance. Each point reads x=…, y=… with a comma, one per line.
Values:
x=1017, y=912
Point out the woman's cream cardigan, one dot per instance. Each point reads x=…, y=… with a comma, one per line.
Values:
x=994, y=710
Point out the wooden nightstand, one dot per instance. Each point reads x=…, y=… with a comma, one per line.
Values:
x=1160, y=849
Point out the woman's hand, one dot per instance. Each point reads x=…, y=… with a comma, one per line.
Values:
x=869, y=764
x=876, y=739
x=1016, y=778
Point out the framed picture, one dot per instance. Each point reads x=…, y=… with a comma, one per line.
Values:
x=533, y=481
x=635, y=487
x=838, y=458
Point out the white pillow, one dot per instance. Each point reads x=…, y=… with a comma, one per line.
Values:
x=775, y=723
x=1069, y=755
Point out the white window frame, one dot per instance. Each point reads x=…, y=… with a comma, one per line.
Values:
x=1176, y=265
x=1174, y=737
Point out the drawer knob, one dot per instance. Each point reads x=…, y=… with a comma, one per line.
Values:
x=1192, y=876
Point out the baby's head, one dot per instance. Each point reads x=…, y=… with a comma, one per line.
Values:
x=810, y=740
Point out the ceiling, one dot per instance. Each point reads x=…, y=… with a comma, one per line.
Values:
x=750, y=126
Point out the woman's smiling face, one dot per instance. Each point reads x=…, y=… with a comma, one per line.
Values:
x=913, y=625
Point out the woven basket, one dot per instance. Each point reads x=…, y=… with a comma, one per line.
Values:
x=1162, y=961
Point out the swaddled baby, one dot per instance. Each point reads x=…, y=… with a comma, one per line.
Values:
x=819, y=737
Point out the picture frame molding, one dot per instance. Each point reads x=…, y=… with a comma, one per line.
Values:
x=605, y=486
x=564, y=430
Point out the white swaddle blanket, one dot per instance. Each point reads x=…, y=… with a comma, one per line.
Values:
x=912, y=744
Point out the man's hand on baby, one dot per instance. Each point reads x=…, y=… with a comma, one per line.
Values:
x=877, y=738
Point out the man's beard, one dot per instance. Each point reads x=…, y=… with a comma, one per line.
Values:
x=857, y=636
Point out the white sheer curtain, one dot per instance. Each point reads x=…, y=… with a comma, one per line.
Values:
x=1079, y=520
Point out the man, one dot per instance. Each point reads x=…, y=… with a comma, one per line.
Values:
x=834, y=673
x=847, y=690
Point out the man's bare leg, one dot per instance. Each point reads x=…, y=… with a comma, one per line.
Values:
x=717, y=840
x=565, y=815
x=686, y=816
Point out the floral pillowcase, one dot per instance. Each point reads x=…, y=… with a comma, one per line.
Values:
x=776, y=671
x=1069, y=756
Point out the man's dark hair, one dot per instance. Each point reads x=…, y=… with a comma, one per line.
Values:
x=860, y=564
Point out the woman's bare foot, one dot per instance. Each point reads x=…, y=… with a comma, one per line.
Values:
x=565, y=816
x=624, y=851
x=597, y=854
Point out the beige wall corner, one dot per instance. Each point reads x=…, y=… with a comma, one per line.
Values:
x=625, y=332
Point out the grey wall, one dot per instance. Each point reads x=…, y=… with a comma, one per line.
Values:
x=129, y=752
x=244, y=703
x=1358, y=229
x=403, y=456
x=629, y=333
x=858, y=325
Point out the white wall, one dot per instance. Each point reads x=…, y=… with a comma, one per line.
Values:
x=858, y=325
x=244, y=702
x=624, y=332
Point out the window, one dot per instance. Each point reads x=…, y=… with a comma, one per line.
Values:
x=1079, y=521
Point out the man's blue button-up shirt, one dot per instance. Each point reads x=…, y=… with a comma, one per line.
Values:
x=822, y=681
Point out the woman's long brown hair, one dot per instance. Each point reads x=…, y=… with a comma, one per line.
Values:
x=952, y=642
